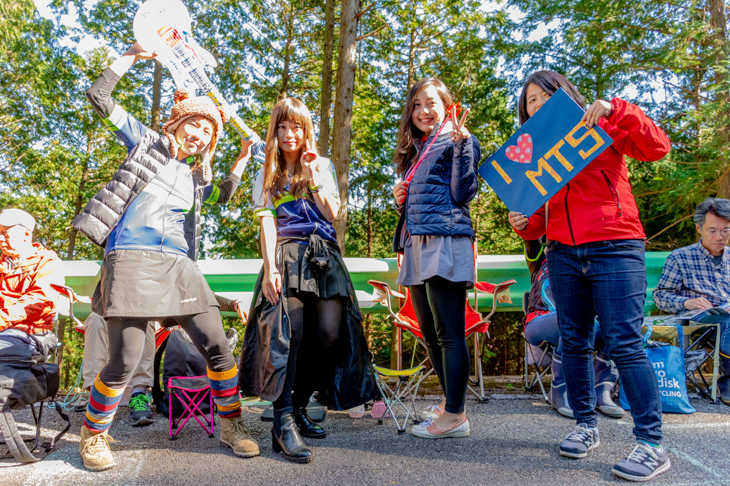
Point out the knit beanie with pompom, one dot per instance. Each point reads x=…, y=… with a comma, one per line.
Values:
x=186, y=106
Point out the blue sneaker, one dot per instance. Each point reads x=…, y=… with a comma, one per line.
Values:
x=579, y=442
x=643, y=463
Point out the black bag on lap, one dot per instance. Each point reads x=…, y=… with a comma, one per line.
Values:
x=26, y=379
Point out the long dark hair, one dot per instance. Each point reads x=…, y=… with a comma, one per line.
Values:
x=408, y=132
x=550, y=82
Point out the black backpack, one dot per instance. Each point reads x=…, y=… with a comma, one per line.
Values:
x=25, y=379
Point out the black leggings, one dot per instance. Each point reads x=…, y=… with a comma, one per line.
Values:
x=316, y=326
x=440, y=308
x=126, y=344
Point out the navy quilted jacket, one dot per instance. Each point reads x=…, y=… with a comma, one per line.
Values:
x=438, y=196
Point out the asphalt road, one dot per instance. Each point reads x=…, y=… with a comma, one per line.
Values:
x=514, y=440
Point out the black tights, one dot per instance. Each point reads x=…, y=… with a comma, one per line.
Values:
x=126, y=344
x=440, y=308
x=315, y=331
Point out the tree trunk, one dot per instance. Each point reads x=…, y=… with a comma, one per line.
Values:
x=718, y=23
x=156, y=96
x=411, y=60
x=326, y=104
x=370, y=218
x=344, y=97
x=719, y=28
x=79, y=204
x=285, y=75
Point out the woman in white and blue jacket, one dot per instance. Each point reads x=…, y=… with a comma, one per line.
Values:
x=437, y=158
x=147, y=220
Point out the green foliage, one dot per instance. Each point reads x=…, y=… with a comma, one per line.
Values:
x=669, y=58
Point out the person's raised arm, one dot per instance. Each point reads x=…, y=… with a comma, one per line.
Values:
x=633, y=133
x=223, y=192
x=124, y=126
x=466, y=156
x=322, y=182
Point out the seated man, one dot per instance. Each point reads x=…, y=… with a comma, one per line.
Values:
x=541, y=324
x=27, y=302
x=698, y=276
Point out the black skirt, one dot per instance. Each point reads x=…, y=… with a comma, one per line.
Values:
x=302, y=276
x=141, y=283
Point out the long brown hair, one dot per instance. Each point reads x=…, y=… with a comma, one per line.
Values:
x=408, y=132
x=550, y=82
x=276, y=175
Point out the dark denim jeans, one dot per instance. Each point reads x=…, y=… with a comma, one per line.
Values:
x=545, y=328
x=607, y=279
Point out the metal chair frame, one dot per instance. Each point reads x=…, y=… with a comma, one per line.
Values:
x=191, y=399
x=541, y=365
x=406, y=389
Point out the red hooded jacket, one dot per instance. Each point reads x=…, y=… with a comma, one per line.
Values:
x=26, y=300
x=598, y=204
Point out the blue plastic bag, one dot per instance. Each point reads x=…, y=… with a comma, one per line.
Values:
x=668, y=364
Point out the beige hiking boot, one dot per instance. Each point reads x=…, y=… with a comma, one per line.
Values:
x=95, y=451
x=237, y=436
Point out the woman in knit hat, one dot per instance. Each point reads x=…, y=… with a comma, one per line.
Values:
x=147, y=218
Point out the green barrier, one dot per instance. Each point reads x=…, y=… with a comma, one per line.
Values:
x=237, y=278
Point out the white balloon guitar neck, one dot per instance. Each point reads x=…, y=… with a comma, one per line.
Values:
x=164, y=26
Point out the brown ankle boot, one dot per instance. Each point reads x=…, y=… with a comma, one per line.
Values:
x=95, y=450
x=237, y=436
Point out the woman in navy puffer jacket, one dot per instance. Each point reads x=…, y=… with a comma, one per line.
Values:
x=437, y=159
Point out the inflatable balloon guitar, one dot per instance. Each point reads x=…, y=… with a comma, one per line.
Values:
x=164, y=27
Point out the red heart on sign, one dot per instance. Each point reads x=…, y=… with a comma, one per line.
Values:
x=522, y=152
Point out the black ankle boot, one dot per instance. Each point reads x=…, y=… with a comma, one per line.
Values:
x=285, y=438
x=307, y=428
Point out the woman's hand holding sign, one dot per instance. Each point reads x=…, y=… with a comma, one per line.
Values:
x=599, y=109
x=518, y=220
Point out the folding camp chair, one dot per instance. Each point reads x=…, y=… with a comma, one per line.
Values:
x=190, y=392
x=699, y=345
x=401, y=399
x=476, y=322
x=539, y=357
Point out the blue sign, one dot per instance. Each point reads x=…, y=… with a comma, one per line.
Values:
x=551, y=148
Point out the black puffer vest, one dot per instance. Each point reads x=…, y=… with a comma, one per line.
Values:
x=104, y=211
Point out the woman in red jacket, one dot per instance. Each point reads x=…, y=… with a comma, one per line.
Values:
x=596, y=264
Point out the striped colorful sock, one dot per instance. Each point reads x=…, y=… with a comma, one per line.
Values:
x=226, y=394
x=102, y=406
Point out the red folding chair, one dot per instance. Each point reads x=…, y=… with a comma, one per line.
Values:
x=476, y=322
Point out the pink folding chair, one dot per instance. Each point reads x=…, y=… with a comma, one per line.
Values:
x=191, y=392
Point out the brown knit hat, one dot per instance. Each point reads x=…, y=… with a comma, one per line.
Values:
x=186, y=106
